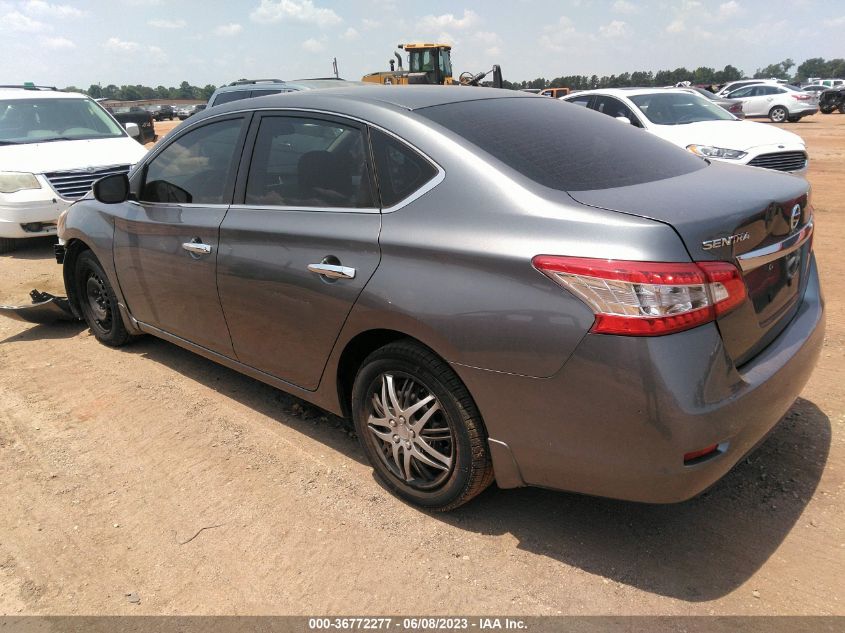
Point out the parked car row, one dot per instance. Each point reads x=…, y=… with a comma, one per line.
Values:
x=695, y=123
x=140, y=117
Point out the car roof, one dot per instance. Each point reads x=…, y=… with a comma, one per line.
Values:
x=30, y=93
x=631, y=92
x=402, y=97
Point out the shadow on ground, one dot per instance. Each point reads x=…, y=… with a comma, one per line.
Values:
x=33, y=248
x=47, y=331
x=695, y=551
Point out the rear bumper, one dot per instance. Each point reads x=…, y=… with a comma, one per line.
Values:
x=617, y=420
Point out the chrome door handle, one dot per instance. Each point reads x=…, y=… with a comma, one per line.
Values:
x=197, y=248
x=332, y=272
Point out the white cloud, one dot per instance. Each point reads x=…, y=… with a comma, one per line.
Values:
x=729, y=9
x=45, y=9
x=118, y=45
x=350, y=35
x=156, y=55
x=167, y=24
x=57, y=43
x=228, y=30
x=486, y=37
x=676, y=26
x=623, y=6
x=368, y=24
x=617, y=28
x=313, y=45
x=840, y=21
x=295, y=11
x=17, y=21
x=564, y=25
x=449, y=21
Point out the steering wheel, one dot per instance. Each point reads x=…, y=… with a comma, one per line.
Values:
x=465, y=76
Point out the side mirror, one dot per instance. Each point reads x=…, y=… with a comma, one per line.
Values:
x=133, y=130
x=623, y=119
x=112, y=189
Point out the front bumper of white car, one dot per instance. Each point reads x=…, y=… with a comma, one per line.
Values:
x=789, y=158
x=31, y=212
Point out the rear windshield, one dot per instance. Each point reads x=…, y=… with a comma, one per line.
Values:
x=563, y=146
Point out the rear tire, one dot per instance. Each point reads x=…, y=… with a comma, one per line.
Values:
x=8, y=244
x=778, y=114
x=420, y=428
x=98, y=302
x=842, y=108
x=827, y=110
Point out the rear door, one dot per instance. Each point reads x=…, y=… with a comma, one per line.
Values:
x=165, y=243
x=300, y=244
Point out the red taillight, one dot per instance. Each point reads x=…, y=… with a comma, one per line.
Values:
x=647, y=298
x=737, y=107
x=801, y=97
x=694, y=455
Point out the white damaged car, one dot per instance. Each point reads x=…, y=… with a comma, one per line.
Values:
x=700, y=126
x=53, y=146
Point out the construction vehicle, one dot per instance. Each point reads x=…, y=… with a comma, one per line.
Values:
x=429, y=64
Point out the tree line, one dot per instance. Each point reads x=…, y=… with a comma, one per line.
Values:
x=139, y=92
x=814, y=67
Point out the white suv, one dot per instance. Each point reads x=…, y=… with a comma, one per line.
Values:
x=53, y=146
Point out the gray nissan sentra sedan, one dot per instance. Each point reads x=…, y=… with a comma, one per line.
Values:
x=492, y=285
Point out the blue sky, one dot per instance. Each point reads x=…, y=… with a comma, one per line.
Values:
x=155, y=42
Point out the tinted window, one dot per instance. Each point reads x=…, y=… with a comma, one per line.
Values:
x=581, y=101
x=742, y=92
x=614, y=107
x=263, y=93
x=303, y=162
x=401, y=170
x=562, y=146
x=196, y=167
x=226, y=97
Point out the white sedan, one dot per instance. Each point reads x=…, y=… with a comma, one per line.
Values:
x=779, y=103
x=699, y=126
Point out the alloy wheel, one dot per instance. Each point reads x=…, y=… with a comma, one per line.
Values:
x=410, y=431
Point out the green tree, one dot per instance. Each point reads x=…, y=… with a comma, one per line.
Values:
x=186, y=91
x=94, y=91
x=778, y=71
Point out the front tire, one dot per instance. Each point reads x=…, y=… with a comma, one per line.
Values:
x=778, y=114
x=827, y=110
x=420, y=428
x=98, y=302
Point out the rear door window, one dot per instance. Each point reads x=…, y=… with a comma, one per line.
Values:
x=305, y=162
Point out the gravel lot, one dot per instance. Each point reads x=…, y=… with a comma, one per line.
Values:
x=149, y=480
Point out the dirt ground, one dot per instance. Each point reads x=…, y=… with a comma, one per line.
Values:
x=149, y=480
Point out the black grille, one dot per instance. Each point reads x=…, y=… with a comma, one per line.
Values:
x=72, y=185
x=782, y=161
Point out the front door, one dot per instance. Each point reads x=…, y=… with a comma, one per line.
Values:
x=165, y=243
x=298, y=250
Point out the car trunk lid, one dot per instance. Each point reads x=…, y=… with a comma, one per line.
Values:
x=759, y=220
